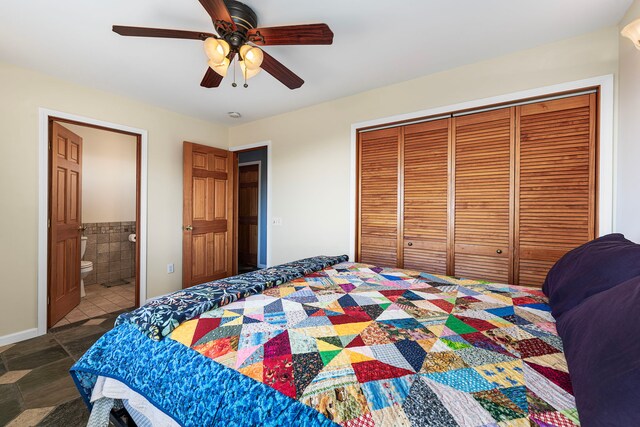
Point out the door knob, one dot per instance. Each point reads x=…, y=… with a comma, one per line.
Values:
x=499, y=251
x=188, y=228
x=410, y=244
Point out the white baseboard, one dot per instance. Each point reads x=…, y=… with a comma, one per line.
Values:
x=18, y=336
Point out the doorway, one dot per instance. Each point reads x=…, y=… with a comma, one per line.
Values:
x=94, y=186
x=212, y=246
x=252, y=209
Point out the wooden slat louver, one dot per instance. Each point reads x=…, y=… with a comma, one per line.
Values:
x=378, y=202
x=555, y=182
x=482, y=171
x=426, y=161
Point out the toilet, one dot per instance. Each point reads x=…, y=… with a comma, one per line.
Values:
x=86, y=267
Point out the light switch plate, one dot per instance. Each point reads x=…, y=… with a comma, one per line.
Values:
x=169, y=268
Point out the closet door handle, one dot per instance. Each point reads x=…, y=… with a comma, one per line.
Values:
x=188, y=228
x=410, y=244
x=499, y=251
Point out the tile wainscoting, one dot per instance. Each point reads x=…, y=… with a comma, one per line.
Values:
x=111, y=252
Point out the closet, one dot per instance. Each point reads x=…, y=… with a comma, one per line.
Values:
x=495, y=195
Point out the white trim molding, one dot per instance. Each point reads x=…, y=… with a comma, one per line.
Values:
x=607, y=143
x=18, y=336
x=259, y=163
x=269, y=192
x=43, y=190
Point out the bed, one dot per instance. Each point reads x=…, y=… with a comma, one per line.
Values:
x=324, y=342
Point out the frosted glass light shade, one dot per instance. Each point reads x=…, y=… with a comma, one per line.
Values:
x=248, y=72
x=252, y=56
x=632, y=32
x=216, y=49
x=220, y=68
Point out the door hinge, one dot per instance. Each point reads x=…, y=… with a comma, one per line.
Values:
x=49, y=145
x=48, y=300
x=49, y=223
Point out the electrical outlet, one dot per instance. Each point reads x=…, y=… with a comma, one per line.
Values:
x=276, y=221
x=169, y=268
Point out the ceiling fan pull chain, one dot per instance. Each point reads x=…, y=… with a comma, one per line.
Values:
x=234, y=84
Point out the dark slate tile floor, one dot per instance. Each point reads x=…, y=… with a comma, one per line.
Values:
x=35, y=385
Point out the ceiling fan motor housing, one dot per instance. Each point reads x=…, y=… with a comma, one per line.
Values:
x=245, y=19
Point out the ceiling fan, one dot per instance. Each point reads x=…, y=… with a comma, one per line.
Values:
x=236, y=25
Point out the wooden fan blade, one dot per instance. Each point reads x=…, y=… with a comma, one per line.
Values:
x=218, y=11
x=291, y=35
x=280, y=72
x=160, y=32
x=213, y=79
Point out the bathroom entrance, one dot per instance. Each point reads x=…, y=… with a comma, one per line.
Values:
x=94, y=210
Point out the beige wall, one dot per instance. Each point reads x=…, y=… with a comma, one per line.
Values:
x=311, y=147
x=22, y=93
x=310, y=155
x=108, y=175
x=628, y=196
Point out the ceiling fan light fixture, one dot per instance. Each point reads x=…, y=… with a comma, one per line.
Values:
x=216, y=49
x=632, y=32
x=248, y=72
x=220, y=68
x=252, y=56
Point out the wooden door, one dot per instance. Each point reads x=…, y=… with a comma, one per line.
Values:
x=65, y=213
x=425, y=203
x=555, y=182
x=248, y=196
x=378, y=202
x=208, y=239
x=482, y=234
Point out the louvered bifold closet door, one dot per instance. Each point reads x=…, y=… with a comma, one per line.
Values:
x=555, y=180
x=378, y=201
x=425, y=182
x=483, y=147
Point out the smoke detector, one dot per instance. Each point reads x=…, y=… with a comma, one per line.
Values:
x=234, y=114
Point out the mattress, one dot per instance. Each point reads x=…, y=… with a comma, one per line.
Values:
x=346, y=344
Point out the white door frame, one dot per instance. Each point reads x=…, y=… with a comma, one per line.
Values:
x=43, y=204
x=607, y=144
x=269, y=192
x=259, y=163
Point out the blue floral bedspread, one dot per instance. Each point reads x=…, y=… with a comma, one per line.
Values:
x=193, y=390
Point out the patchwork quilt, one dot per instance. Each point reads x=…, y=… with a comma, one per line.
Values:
x=353, y=345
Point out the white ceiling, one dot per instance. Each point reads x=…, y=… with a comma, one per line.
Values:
x=376, y=43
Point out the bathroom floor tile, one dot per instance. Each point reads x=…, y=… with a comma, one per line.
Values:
x=76, y=315
x=94, y=311
x=96, y=321
x=62, y=322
